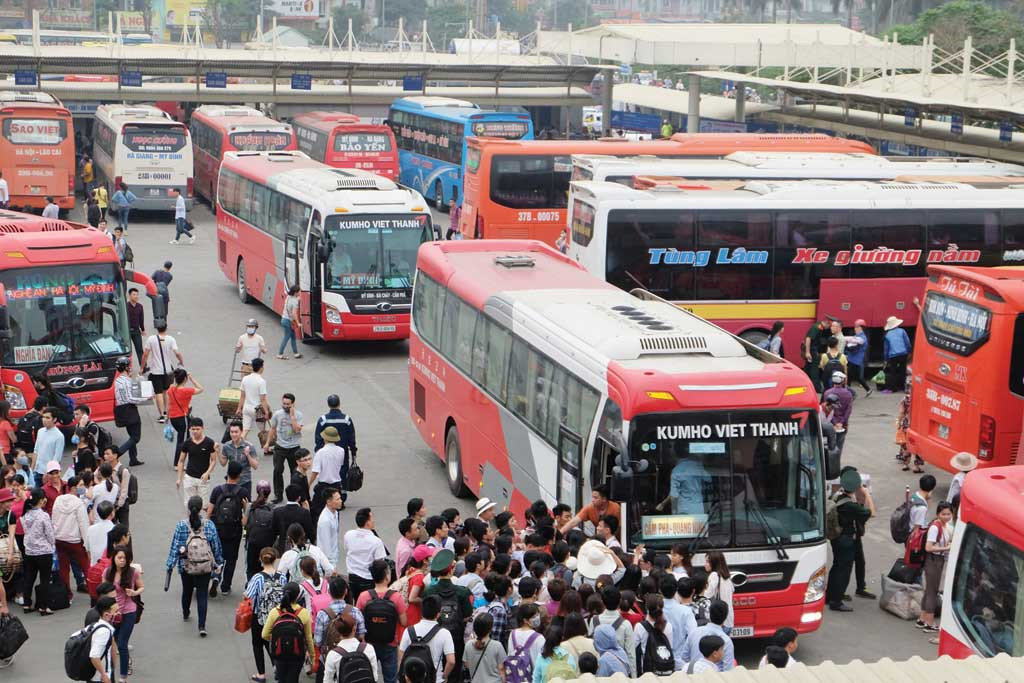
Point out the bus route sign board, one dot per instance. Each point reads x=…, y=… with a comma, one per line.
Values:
x=131, y=79
x=302, y=82
x=1005, y=131
x=24, y=77
x=216, y=79
x=956, y=124
x=412, y=83
x=909, y=116
x=631, y=120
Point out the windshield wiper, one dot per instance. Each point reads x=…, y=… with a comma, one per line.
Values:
x=769, y=534
x=706, y=531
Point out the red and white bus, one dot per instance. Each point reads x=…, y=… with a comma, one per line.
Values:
x=520, y=188
x=37, y=150
x=347, y=237
x=342, y=140
x=532, y=379
x=217, y=129
x=982, y=608
x=62, y=311
x=972, y=321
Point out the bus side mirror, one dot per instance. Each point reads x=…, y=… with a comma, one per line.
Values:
x=323, y=249
x=832, y=463
x=5, y=318
x=159, y=310
x=620, y=486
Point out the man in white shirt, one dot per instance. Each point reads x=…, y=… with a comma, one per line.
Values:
x=51, y=210
x=476, y=570
x=180, y=214
x=103, y=649
x=5, y=195
x=159, y=356
x=712, y=650
x=442, y=647
x=254, y=393
x=250, y=345
x=329, y=525
x=362, y=546
x=328, y=463
x=96, y=537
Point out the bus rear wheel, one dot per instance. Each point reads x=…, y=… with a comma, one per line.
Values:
x=439, y=197
x=243, y=291
x=453, y=464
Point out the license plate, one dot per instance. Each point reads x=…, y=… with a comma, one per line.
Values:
x=155, y=192
x=742, y=632
x=384, y=328
x=944, y=432
x=36, y=189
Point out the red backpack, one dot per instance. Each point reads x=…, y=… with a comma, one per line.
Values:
x=94, y=577
x=915, y=553
x=316, y=598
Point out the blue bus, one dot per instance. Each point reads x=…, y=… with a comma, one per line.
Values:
x=431, y=133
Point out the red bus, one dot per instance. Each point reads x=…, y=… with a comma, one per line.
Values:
x=347, y=237
x=520, y=188
x=982, y=612
x=532, y=379
x=217, y=129
x=972, y=320
x=341, y=140
x=62, y=311
x=37, y=150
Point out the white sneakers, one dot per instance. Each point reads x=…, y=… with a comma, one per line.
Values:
x=191, y=240
x=173, y=242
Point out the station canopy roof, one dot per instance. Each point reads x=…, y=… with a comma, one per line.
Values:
x=678, y=101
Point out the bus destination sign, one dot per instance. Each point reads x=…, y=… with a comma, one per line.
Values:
x=954, y=324
x=665, y=527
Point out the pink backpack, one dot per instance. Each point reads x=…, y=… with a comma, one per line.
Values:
x=318, y=598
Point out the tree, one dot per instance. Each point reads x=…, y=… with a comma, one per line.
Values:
x=575, y=12
x=226, y=18
x=951, y=23
x=447, y=21
x=413, y=12
x=359, y=21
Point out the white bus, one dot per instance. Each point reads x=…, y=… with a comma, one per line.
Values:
x=796, y=251
x=784, y=166
x=144, y=148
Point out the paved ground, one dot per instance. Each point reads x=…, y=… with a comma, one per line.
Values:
x=206, y=317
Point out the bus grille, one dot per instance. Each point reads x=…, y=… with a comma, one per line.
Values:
x=48, y=226
x=921, y=186
x=1014, y=451
x=694, y=344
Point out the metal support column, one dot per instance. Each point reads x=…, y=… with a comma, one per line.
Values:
x=741, y=103
x=693, y=110
x=606, y=104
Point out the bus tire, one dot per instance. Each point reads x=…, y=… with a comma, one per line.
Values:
x=453, y=463
x=755, y=337
x=243, y=286
x=439, y=197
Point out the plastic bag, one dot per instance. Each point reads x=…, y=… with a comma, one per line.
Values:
x=901, y=599
x=879, y=377
x=243, y=616
x=168, y=432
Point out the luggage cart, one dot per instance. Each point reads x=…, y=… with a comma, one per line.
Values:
x=229, y=397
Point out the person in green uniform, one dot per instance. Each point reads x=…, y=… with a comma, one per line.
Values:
x=844, y=548
x=812, y=351
x=442, y=566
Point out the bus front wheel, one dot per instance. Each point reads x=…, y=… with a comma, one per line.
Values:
x=439, y=197
x=453, y=464
x=243, y=290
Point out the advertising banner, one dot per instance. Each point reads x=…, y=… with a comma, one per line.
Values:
x=294, y=9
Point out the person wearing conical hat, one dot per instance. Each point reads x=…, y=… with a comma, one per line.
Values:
x=963, y=462
x=896, y=350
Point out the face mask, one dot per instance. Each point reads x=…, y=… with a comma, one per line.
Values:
x=250, y=330
x=80, y=490
x=535, y=622
x=22, y=460
x=75, y=439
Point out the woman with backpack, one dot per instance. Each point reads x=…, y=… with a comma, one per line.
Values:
x=653, y=638
x=484, y=657
x=554, y=661
x=196, y=550
x=343, y=662
x=525, y=644
x=720, y=586
x=259, y=529
x=39, y=548
x=127, y=587
x=612, y=658
x=289, y=630
x=7, y=433
x=315, y=594
x=300, y=548
x=104, y=487
x=936, y=549
x=261, y=589
x=576, y=640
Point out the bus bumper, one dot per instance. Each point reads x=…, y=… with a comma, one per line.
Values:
x=762, y=622
x=382, y=330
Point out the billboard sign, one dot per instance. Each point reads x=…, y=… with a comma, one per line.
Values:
x=295, y=9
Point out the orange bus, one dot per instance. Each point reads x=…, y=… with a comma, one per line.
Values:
x=217, y=129
x=37, y=150
x=972, y=321
x=342, y=140
x=520, y=188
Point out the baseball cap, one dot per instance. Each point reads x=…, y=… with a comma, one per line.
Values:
x=52, y=466
x=838, y=376
x=422, y=552
x=831, y=398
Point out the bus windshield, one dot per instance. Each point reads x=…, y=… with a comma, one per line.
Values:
x=374, y=251
x=35, y=131
x=530, y=182
x=362, y=143
x=75, y=311
x=750, y=477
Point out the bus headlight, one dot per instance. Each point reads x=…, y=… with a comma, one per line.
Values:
x=333, y=316
x=14, y=396
x=815, y=587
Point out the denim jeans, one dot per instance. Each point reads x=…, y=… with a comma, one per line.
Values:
x=123, y=633
x=179, y=228
x=131, y=446
x=289, y=333
x=122, y=217
x=387, y=655
x=201, y=585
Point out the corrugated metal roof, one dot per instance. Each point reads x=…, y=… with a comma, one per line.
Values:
x=678, y=101
x=826, y=34
x=999, y=669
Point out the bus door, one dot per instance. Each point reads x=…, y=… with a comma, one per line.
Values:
x=570, y=465
x=311, y=273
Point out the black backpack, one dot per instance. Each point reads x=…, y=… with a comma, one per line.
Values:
x=832, y=365
x=354, y=666
x=657, y=659
x=228, y=513
x=25, y=432
x=381, y=617
x=103, y=439
x=77, y=664
x=260, y=525
x=450, y=615
x=701, y=610
x=419, y=650
x=288, y=637
x=133, y=485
